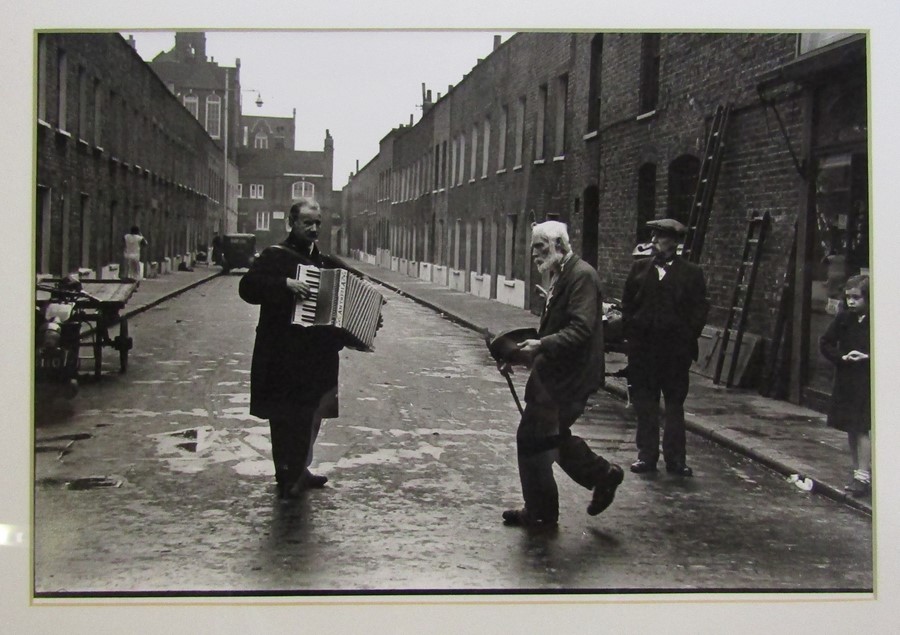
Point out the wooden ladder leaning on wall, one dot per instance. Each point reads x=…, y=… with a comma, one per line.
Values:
x=706, y=185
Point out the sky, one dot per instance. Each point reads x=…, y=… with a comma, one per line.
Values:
x=356, y=84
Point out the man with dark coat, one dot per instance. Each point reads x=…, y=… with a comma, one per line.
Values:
x=294, y=372
x=664, y=308
x=567, y=366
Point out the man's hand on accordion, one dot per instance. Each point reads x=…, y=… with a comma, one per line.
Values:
x=298, y=288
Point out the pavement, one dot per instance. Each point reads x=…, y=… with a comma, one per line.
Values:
x=789, y=439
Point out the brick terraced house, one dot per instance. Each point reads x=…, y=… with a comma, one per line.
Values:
x=605, y=131
x=115, y=148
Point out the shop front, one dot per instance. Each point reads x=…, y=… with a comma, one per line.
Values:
x=833, y=220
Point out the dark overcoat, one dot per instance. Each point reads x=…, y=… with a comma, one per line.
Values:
x=685, y=326
x=570, y=364
x=850, y=408
x=293, y=366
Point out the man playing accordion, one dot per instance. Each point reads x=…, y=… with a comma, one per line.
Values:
x=294, y=372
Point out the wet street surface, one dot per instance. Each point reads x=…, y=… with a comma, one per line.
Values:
x=160, y=481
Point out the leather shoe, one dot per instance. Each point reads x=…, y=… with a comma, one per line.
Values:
x=605, y=491
x=523, y=518
x=314, y=481
x=305, y=482
x=642, y=467
x=679, y=468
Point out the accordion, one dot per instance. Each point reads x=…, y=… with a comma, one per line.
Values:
x=340, y=300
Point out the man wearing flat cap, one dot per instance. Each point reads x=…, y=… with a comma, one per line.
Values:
x=664, y=308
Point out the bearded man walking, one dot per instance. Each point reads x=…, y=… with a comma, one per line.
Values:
x=567, y=366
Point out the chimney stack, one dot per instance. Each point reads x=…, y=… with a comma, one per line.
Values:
x=410, y=120
x=496, y=42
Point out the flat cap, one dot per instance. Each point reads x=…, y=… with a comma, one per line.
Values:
x=667, y=226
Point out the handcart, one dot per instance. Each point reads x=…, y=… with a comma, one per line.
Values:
x=97, y=304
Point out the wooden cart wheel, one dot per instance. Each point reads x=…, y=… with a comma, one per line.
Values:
x=98, y=353
x=124, y=345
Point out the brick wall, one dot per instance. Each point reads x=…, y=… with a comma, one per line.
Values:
x=698, y=71
x=127, y=153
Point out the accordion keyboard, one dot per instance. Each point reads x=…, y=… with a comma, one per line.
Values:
x=306, y=310
x=340, y=300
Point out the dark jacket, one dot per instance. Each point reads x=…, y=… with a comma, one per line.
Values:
x=570, y=363
x=850, y=408
x=293, y=366
x=678, y=331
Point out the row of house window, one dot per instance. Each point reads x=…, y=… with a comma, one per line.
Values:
x=430, y=172
x=299, y=189
x=102, y=117
x=450, y=171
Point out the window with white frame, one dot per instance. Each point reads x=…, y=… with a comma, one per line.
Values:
x=462, y=159
x=214, y=116
x=261, y=141
x=453, y=161
x=192, y=103
x=520, y=130
x=42, y=78
x=302, y=189
x=98, y=112
x=256, y=190
x=487, y=147
x=83, y=114
x=501, y=148
x=262, y=221
x=240, y=190
x=562, y=90
x=474, y=164
x=540, y=129
x=61, y=86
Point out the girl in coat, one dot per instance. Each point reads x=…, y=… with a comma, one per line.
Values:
x=846, y=345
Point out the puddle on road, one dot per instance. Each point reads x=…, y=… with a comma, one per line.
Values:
x=81, y=484
x=195, y=449
x=387, y=456
x=93, y=482
x=77, y=436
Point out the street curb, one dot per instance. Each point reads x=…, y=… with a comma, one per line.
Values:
x=435, y=307
x=168, y=296
x=732, y=442
x=692, y=423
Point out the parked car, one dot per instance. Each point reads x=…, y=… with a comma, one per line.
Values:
x=238, y=251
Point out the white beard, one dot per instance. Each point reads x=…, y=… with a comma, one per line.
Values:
x=551, y=263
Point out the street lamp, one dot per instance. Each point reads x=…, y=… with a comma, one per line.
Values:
x=259, y=103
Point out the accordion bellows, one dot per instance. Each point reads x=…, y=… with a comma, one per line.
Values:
x=340, y=300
